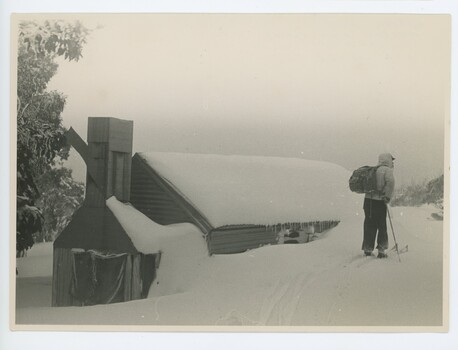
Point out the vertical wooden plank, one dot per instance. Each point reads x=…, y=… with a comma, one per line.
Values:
x=109, y=174
x=128, y=279
x=95, y=196
x=67, y=271
x=120, y=135
x=136, y=277
x=127, y=168
x=98, y=129
x=62, y=277
x=54, y=298
x=118, y=175
x=59, y=276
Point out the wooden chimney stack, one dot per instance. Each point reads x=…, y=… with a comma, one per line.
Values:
x=109, y=142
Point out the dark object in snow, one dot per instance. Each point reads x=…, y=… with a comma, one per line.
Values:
x=293, y=234
x=291, y=241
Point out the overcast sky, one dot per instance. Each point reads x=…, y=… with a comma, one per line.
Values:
x=338, y=88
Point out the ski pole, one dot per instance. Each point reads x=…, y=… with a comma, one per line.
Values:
x=392, y=230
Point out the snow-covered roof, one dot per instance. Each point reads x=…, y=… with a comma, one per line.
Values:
x=230, y=190
x=149, y=237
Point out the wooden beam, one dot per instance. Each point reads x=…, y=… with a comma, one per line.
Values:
x=75, y=140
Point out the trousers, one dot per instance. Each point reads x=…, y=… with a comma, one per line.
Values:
x=374, y=225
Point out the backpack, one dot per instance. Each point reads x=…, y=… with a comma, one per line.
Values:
x=363, y=180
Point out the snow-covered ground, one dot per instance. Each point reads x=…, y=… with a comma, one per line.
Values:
x=323, y=283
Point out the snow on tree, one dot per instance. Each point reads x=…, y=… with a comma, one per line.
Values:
x=59, y=197
x=40, y=133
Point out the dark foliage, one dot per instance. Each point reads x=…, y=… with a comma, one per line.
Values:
x=40, y=134
x=59, y=197
x=431, y=192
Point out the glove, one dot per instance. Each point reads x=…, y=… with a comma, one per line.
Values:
x=386, y=199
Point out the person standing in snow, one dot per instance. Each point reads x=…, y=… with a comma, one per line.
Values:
x=375, y=208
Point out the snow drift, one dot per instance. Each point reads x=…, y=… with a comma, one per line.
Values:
x=324, y=283
x=182, y=247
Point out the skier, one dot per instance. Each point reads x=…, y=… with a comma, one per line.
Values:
x=375, y=208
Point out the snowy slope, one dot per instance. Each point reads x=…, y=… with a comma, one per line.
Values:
x=324, y=283
x=37, y=263
x=257, y=190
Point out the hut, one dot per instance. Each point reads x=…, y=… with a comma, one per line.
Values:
x=239, y=202
x=95, y=260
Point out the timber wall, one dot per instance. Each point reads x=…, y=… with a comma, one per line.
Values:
x=149, y=197
x=62, y=277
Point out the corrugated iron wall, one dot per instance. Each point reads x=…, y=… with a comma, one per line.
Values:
x=150, y=198
x=237, y=239
x=240, y=238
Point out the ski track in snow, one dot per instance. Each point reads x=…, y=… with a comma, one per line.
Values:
x=344, y=282
x=234, y=317
x=280, y=305
x=364, y=261
x=340, y=291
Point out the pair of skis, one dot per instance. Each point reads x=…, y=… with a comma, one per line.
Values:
x=404, y=249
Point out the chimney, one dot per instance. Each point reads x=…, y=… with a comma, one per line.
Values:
x=110, y=149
